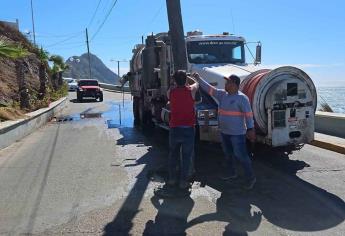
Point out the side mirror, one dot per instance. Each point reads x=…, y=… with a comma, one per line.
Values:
x=258, y=54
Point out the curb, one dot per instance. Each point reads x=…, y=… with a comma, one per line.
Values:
x=328, y=146
x=12, y=131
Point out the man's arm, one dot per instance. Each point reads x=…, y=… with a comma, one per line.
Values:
x=194, y=85
x=217, y=93
x=248, y=114
x=168, y=94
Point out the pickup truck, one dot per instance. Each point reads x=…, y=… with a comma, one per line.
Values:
x=89, y=88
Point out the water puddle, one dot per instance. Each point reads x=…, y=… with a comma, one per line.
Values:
x=118, y=115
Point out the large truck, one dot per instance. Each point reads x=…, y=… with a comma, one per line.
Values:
x=283, y=99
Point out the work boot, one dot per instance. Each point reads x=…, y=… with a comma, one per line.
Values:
x=165, y=191
x=183, y=184
x=171, y=182
x=250, y=184
x=228, y=176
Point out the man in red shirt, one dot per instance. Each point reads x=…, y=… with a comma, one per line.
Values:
x=182, y=128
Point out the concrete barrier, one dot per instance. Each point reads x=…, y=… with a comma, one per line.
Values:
x=113, y=87
x=11, y=131
x=330, y=123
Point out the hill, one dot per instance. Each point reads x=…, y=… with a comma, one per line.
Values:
x=79, y=69
x=9, y=81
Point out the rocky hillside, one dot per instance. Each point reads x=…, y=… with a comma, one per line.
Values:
x=79, y=69
x=9, y=84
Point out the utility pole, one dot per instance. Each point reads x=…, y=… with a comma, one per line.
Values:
x=88, y=53
x=33, y=23
x=177, y=34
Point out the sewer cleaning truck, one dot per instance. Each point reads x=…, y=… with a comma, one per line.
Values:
x=283, y=99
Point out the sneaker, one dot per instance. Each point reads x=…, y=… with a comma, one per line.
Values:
x=227, y=176
x=250, y=184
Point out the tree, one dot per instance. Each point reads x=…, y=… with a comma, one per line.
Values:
x=44, y=57
x=58, y=67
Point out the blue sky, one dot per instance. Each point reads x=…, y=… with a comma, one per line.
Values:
x=307, y=34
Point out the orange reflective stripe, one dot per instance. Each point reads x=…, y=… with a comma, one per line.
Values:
x=230, y=113
x=211, y=91
x=248, y=114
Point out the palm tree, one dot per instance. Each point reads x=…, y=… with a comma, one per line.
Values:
x=17, y=52
x=43, y=56
x=58, y=68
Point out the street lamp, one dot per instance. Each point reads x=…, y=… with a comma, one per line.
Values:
x=118, y=64
x=118, y=74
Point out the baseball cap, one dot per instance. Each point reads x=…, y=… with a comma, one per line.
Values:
x=234, y=78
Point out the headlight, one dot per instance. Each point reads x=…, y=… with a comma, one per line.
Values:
x=212, y=114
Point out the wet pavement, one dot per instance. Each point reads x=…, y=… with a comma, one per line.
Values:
x=90, y=172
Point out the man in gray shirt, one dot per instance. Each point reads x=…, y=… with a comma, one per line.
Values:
x=235, y=119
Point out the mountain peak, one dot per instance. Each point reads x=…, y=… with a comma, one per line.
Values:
x=79, y=69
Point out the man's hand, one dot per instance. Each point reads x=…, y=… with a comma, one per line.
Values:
x=196, y=76
x=190, y=80
x=251, y=135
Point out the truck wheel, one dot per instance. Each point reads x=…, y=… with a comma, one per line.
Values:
x=79, y=98
x=101, y=98
x=145, y=117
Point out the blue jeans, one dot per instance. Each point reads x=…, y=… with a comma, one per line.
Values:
x=181, y=147
x=234, y=146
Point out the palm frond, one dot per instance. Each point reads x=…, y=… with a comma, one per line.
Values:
x=43, y=55
x=11, y=50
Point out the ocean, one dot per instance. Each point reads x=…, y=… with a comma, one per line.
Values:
x=334, y=96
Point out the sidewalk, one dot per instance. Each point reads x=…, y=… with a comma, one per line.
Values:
x=329, y=142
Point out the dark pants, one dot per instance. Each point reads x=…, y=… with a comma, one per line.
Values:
x=181, y=145
x=234, y=146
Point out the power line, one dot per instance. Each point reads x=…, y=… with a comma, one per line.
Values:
x=105, y=19
x=155, y=16
x=62, y=41
x=67, y=44
x=45, y=35
x=94, y=14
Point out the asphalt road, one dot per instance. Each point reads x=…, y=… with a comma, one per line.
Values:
x=90, y=172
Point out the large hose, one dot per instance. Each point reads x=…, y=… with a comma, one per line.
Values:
x=257, y=85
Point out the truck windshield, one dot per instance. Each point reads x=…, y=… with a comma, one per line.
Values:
x=215, y=51
x=88, y=83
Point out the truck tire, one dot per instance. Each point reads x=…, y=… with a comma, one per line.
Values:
x=101, y=98
x=79, y=97
x=145, y=117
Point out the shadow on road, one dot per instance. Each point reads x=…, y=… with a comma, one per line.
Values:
x=282, y=198
x=122, y=223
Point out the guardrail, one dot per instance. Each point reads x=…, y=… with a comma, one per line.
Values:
x=114, y=87
x=330, y=123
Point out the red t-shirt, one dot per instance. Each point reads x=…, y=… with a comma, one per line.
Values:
x=181, y=107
